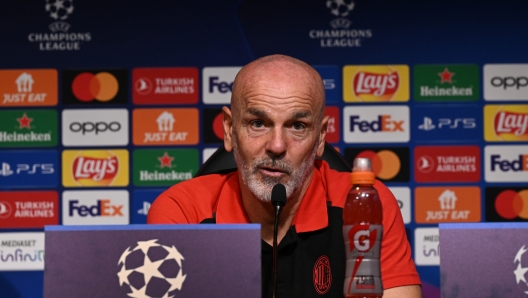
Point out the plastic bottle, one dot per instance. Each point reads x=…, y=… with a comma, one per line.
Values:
x=362, y=231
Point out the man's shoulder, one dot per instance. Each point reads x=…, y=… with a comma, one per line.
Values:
x=203, y=186
x=190, y=201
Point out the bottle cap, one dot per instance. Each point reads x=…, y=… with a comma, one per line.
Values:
x=362, y=172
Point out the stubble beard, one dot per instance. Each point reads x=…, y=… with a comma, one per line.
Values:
x=261, y=186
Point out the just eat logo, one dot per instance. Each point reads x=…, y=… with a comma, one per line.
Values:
x=375, y=124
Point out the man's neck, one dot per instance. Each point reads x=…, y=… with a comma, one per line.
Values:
x=263, y=212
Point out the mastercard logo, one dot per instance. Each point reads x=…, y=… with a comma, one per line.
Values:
x=385, y=163
x=511, y=204
x=102, y=86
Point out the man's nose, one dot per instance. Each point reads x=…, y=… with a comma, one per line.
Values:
x=276, y=145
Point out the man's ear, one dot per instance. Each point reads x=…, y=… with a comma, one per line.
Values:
x=228, y=128
x=322, y=136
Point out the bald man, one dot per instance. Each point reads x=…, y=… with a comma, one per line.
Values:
x=276, y=128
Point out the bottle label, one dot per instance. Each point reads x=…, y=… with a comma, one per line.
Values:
x=362, y=246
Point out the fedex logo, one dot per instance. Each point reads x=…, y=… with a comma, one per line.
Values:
x=516, y=165
x=222, y=87
x=383, y=123
x=506, y=163
x=95, y=207
x=102, y=208
x=376, y=124
x=218, y=84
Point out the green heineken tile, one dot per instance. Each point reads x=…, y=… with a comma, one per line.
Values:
x=28, y=128
x=446, y=82
x=164, y=167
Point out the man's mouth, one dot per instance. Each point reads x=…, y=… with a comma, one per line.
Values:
x=274, y=172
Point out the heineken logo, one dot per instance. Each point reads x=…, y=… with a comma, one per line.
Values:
x=446, y=82
x=446, y=76
x=31, y=128
x=159, y=167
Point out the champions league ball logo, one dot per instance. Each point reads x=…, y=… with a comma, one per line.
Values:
x=151, y=270
x=340, y=8
x=520, y=272
x=59, y=9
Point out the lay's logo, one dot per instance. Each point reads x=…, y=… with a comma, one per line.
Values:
x=506, y=123
x=95, y=168
x=511, y=123
x=376, y=83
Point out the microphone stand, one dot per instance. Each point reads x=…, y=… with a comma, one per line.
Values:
x=278, y=199
x=278, y=209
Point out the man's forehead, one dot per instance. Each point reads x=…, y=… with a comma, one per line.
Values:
x=295, y=113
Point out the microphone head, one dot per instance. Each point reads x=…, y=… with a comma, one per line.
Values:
x=278, y=195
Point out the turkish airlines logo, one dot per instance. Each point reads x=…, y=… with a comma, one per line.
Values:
x=168, y=85
x=333, y=131
x=376, y=124
x=506, y=163
x=425, y=164
x=376, y=83
x=453, y=204
x=447, y=163
x=95, y=168
x=28, y=209
x=95, y=127
x=5, y=209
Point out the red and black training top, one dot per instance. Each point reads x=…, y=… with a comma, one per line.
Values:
x=312, y=254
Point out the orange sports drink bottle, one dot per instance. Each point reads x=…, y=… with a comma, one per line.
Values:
x=362, y=231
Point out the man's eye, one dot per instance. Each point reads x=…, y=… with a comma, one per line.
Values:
x=298, y=126
x=257, y=123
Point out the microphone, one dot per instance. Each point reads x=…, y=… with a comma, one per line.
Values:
x=278, y=200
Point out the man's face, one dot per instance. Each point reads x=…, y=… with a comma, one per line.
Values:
x=276, y=134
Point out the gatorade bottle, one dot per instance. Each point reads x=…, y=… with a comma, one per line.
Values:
x=362, y=230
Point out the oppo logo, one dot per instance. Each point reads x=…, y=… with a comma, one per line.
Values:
x=97, y=127
x=509, y=82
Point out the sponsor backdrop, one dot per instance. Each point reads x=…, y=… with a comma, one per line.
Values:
x=103, y=105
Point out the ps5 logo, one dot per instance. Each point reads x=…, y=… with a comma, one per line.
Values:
x=329, y=84
x=464, y=123
x=45, y=168
x=145, y=209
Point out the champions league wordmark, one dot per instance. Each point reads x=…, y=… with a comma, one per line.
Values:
x=340, y=35
x=59, y=39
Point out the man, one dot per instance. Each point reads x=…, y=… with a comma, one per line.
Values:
x=276, y=128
